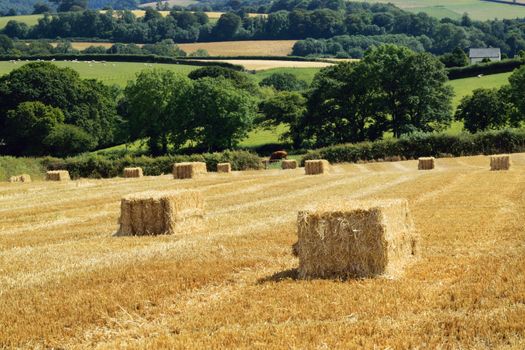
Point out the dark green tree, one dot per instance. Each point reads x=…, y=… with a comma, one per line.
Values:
x=87, y=104
x=155, y=106
x=70, y=5
x=222, y=113
x=412, y=88
x=284, y=107
x=456, y=58
x=484, y=109
x=6, y=45
x=28, y=125
x=66, y=140
x=227, y=26
x=40, y=7
x=514, y=95
x=284, y=82
x=238, y=79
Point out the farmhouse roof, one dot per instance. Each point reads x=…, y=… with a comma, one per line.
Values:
x=491, y=52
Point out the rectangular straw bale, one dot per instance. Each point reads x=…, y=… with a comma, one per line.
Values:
x=20, y=178
x=289, y=164
x=57, y=175
x=426, y=163
x=224, y=168
x=133, y=172
x=318, y=166
x=354, y=239
x=188, y=170
x=159, y=212
x=500, y=162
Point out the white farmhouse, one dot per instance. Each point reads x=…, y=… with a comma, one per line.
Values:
x=478, y=55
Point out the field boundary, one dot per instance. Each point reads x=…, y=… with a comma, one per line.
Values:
x=506, y=2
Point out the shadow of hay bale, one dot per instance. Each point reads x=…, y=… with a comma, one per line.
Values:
x=291, y=274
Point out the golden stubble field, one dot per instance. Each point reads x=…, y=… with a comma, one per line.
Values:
x=65, y=282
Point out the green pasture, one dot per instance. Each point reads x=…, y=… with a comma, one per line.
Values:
x=477, y=9
x=30, y=20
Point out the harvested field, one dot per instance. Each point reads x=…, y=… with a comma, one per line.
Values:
x=244, y=48
x=65, y=282
x=270, y=64
x=222, y=48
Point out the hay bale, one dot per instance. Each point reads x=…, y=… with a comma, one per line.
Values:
x=289, y=164
x=426, y=163
x=318, y=166
x=224, y=168
x=133, y=172
x=189, y=170
x=354, y=239
x=500, y=162
x=20, y=178
x=57, y=175
x=157, y=212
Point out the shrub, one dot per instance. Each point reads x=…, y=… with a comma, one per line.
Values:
x=421, y=145
x=99, y=166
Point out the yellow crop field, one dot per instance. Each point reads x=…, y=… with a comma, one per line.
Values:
x=243, y=48
x=270, y=64
x=223, y=48
x=66, y=282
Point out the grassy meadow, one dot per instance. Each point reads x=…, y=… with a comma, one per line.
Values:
x=28, y=19
x=477, y=9
x=66, y=282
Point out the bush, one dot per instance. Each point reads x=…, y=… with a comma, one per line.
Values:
x=484, y=68
x=100, y=166
x=420, y=145
x=11, y=166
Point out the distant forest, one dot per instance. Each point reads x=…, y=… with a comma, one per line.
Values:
x=352, y=27
x=24, y=7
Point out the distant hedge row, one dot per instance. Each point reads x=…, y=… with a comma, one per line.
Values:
x=485, y=68
x=420, y=145
x=100, y=166
x=123, y=58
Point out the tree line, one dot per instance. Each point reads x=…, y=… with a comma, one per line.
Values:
x=166, y=48
x=285, y=22
x=46, y=110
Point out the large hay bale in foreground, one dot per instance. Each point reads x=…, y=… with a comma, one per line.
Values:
x=20, y=178
x=500, y=162
x=224, y=168
x=426, y=163
x=188, y=170
x=318, y=166
x=354, y=239
x=157, y=212
x=289, y=164
x=57, y=175
x=133, y=172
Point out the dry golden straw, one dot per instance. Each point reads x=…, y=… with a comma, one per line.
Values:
x=20, y=178
x=426, y=163
x=500, y=162
x=189, y=170
x=355, y=239
x=157, y=212
x=314, y=167
x=224, y=168
x=289, y=164
x=57, y=175
x=133, y=172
